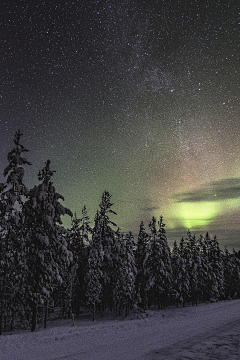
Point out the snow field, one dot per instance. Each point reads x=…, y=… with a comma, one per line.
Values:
x=206, y=331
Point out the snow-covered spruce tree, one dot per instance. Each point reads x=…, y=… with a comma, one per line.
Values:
x=107, y=235
x=181, y=275
x=231, y=265
x=11, y=223
x=228, y=266
x=166, y=258
x=130, y=271
x=158, y=264
x=85, y=228
x=193, y=262
x=117, y=278
x=215, y=268
x=204, y=271
x=63, y=295
x=176, y=262
x=47, y=252
x=94, y=268
x=140, y=255
x=152, y=264
x=79, y=239
x=235, y=289
x=125, y=273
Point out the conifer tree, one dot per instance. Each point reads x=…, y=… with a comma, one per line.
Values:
x=130, y=270
x=235, y=282
x=228, y=267
x=183, y=276
x=11, y=222
x=141, y=281
x=215, y=268
x=231, y=267
x=124, y=288
x=94, y=269
x=85, y=228
x=204, y=273
x=48, y=255
x=118, y=250
x=176, y=262
x=158, y=264
x=166, y=258
x=192, y=256
x=79, y=239
x=107, y=235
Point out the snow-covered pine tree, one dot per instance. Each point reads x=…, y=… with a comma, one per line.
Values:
x=176, y=274
x=235, y=288
x=118, y=250
x=94, y=268
x=124, y=286
x=216, y=277
x=11, y=222
x=151, y=265
x=85, y=228
x=130, y=270
x=231, y=265
x=124, y=273
x=107, y=239
x=228, y=266
x=166, y=258
x=183, y=275
x=79, y=238
x=47, y=252
x=204, y=271
x=140, y=255
x=158, y=264
x=193, y=261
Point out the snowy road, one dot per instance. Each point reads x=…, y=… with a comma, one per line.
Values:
x=208, y=331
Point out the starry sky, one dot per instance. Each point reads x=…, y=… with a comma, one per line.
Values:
x=140, y=98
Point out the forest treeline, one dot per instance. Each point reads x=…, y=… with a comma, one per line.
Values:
x=44, y=266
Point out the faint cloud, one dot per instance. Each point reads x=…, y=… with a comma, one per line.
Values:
x=218, y=190
x=151, y=209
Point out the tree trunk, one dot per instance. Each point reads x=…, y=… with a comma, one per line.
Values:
x=1, y=314
x=34, y=317
x=93, y=313
x=2, y=307
x=45, y=316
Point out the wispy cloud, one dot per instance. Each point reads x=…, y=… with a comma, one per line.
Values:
x=150, y=208
x=218, y=190
x=144, y=203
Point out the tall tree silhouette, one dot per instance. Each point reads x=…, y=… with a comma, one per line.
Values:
x=11, y=222
x=47, y=254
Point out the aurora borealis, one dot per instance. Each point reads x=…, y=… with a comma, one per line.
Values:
x=140, y=98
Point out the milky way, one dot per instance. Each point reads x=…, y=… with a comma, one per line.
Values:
x=137, y=97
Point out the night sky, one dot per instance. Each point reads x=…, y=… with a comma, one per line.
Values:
x=140, y=98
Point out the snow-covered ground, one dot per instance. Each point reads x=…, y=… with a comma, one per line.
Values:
x=208, y=331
